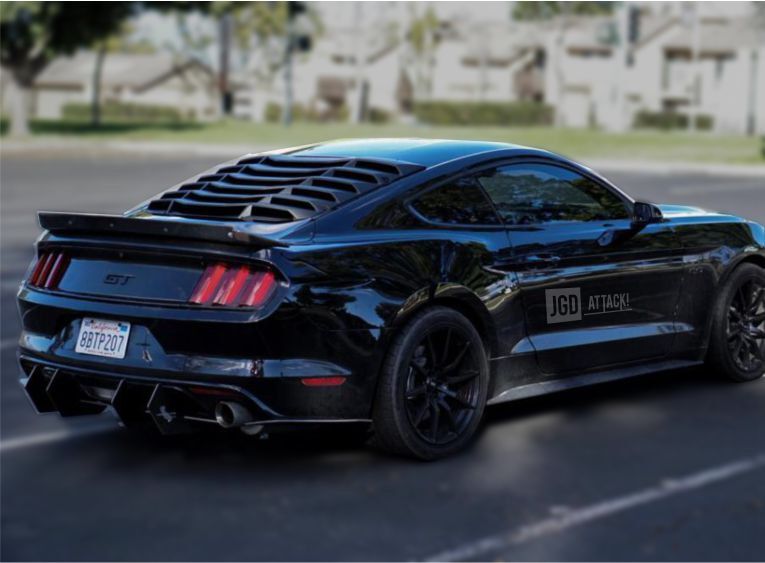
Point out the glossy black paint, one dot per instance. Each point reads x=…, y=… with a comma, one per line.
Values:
x=351, y=277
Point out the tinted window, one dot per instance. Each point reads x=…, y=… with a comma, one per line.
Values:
x=538, y=193
x=459, y=203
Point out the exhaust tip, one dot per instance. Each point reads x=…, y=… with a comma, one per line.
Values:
x=231, y=415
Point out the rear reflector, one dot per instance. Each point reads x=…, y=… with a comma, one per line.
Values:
x=214, y=391
x=49, y=270
x=333, y=381
x=233, y=286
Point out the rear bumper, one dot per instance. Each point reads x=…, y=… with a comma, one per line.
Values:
x=267, y=359
x=173, y=405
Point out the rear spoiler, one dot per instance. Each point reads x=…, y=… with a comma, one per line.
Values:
x=92, y=223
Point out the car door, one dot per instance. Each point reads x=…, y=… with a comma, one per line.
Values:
x=597, y=289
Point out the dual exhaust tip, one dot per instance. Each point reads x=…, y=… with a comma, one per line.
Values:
x=229, y=414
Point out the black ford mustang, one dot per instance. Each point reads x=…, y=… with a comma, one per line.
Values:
x=404, y=284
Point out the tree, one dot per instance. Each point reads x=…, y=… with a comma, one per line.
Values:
x=423, y=40
x=116, y=43
x=33, y=33
x=264, y=34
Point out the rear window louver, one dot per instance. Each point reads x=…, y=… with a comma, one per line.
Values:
x=278, y=188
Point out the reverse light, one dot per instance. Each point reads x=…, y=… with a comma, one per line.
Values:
x=233, y=286
x=49, y=270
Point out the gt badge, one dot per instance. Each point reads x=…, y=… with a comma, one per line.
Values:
x=563, y=305
x=117, y=279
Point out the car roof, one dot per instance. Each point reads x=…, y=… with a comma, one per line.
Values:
x=300, y=182
x=425, y=152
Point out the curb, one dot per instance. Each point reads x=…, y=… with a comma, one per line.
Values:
x=668, y=168
x=63, y=147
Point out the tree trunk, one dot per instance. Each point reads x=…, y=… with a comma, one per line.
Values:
x=18, y=100
x=95, y=102
x=225, y=35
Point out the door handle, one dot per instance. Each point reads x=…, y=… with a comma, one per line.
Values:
x=542, y=258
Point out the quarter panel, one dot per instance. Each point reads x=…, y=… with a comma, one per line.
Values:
x=388, y=276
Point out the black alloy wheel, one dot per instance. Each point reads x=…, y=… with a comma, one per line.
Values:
x=442, y=386
x=433, y=386
x=737, y=341
x=746, y=326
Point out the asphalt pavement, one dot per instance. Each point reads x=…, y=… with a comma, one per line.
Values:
x=665, y=467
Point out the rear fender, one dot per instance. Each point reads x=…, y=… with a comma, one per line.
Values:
x=457, y=297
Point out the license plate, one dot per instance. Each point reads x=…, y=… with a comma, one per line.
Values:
x=103, y=338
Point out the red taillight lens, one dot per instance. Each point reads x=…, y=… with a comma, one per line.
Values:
x=233, y=286
x=207, y=284
x=259, y=289
x=34, y=279
x=57, y=271
x=49, y=270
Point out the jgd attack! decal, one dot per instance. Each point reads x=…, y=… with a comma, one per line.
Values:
x=566, y=305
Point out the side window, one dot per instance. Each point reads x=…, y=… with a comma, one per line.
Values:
x=526, y=194
x=460, y=202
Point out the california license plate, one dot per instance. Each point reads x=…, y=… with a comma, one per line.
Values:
x=103, y=338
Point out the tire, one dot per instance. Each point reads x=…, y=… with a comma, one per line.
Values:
x=737, y=341
x=432, y=389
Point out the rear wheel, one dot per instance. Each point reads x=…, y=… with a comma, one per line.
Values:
x=737, y=347
x=432, y=389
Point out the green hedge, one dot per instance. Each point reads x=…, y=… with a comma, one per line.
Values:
x=483, y=113
x=378, y=115
x=119, y=111
x=273, y=114
x=668, y=120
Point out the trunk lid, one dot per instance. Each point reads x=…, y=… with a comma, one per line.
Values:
x=150, y=260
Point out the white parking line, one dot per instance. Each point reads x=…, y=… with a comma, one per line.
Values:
x=565, y=519
x=48, y=437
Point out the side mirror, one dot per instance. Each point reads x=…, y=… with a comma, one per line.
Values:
x=646, y=213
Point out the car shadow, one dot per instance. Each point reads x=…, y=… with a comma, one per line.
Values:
x=318, y=444
x=640, y=388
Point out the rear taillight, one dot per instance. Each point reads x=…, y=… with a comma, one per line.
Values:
x=233, y=286
x=49, y=270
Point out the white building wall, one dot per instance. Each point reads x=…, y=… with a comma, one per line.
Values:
x=646, y=76
x=383, y=77
x=741, y=92
x=760, y=92
x=191, y=94
x=49, y=103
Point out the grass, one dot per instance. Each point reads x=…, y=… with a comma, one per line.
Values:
x=576, y=143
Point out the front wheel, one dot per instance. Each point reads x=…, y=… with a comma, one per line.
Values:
x=432, y=389
x=737, y=347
